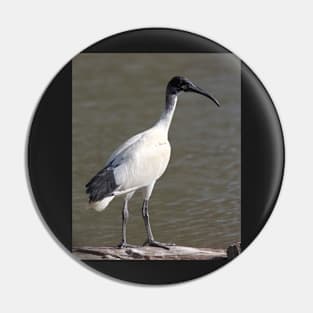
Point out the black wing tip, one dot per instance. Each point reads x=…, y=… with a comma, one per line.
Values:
x=101, y=185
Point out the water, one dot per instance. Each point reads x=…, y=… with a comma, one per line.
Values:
x=197, y=201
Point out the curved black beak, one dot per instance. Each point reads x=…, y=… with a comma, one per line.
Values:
x=200, y=91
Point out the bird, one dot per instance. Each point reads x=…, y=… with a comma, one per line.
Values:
x=139, y=162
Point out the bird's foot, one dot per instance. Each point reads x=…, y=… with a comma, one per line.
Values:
x=154, y=243
x=124, y=245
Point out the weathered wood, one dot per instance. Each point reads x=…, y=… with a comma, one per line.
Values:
x=149, y=253
x=233, y=250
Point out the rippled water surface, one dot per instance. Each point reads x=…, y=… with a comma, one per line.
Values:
x=197, y=201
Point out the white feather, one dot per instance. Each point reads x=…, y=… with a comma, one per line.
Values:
x=101, y=205
x=142, y=161
x=123, y=146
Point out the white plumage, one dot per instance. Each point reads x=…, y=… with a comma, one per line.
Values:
x=139, y=162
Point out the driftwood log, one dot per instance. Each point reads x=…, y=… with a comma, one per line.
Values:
x=154, y=253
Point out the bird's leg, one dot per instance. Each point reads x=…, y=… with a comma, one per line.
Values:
x=125, y=216
x=145, y=215
x=150, y=241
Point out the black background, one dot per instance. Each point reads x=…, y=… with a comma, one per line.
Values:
x=50, y=155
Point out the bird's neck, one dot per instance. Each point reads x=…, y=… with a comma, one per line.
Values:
x=167, y=115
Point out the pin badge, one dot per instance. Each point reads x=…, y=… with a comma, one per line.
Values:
x=155, y=156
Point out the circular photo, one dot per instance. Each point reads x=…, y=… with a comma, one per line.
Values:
x=155, y=156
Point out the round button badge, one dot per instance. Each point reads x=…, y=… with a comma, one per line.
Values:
x=155, y=156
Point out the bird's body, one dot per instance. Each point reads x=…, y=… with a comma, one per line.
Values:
x=137, y=164
x=143, y=161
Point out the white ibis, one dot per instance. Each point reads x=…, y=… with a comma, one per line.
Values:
x=139, y=162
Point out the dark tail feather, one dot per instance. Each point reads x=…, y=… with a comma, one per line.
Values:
x=101, y=185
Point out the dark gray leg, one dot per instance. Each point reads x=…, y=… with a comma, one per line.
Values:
x=145, y=215
x=125, y=216
x=150, y=241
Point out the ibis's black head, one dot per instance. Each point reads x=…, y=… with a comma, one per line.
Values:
x=181, y=84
